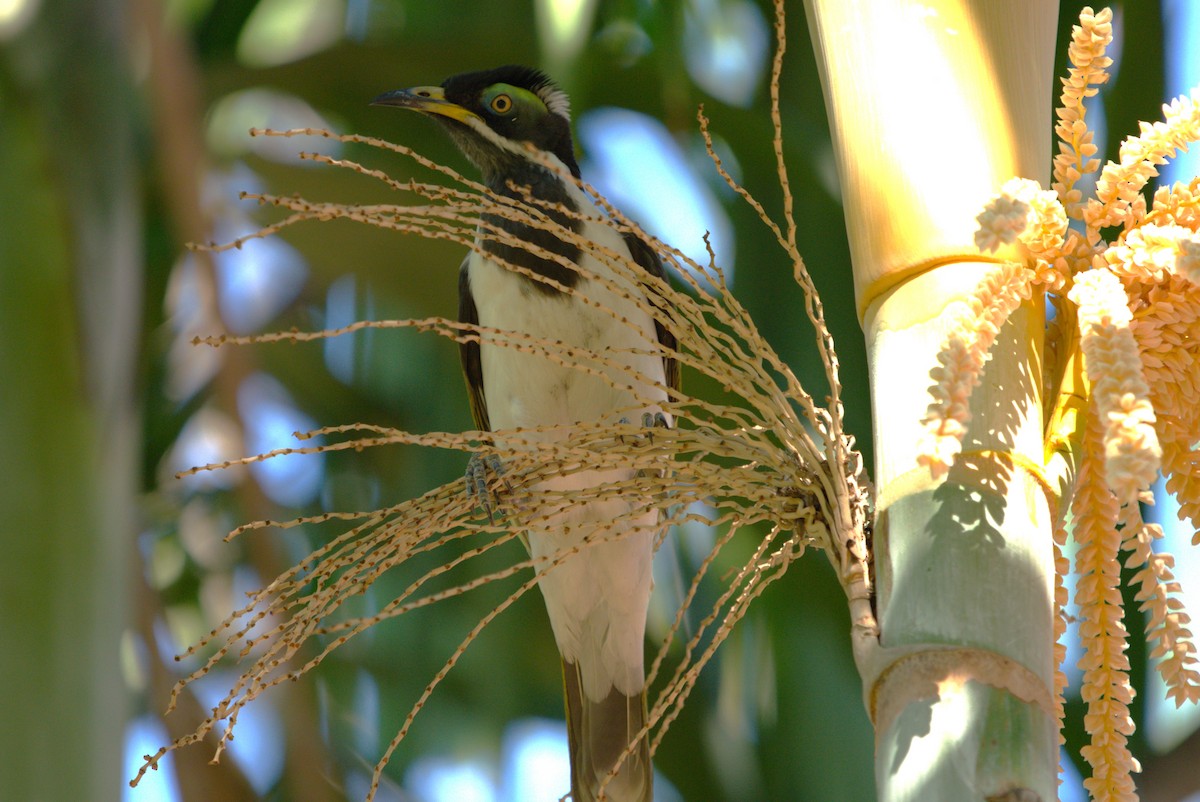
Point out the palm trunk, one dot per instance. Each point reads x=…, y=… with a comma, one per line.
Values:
x=69, y=321
x=933, y=106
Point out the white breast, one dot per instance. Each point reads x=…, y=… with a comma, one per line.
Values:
x=597, y=600
x=524, y=389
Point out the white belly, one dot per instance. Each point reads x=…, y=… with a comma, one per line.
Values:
x=597, y=600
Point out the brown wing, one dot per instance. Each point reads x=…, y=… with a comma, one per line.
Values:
x=468, y=351
x=645, y=256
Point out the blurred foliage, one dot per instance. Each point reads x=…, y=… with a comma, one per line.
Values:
x=779, y=716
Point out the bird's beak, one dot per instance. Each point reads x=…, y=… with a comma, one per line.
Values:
x=425, y=99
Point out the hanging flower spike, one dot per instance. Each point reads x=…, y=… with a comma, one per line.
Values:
x=1122, y=402
x=1172, y=648
x=961, y=360
x=1089, y=40
x=1062, y=567
x=1105, y=688
x=1166, y=325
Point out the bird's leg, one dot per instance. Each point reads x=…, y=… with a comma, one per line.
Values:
x=481, y=470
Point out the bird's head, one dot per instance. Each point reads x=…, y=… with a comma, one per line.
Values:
x=518, y=104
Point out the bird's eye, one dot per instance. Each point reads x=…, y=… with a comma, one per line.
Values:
x=502, y=104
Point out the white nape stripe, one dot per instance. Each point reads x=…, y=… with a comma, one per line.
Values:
x=556, y=100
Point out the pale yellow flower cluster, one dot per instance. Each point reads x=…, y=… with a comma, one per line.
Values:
x=1152, y=252
x=1129, y=307
x=1180, y=203
x=1023, y=212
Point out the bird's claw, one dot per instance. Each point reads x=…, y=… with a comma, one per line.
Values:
x=482, y=469
x=650, y=422
x=654, y=420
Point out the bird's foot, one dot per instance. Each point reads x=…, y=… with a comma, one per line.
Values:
x=650, y=422
x=483, y=471
x=654, y=420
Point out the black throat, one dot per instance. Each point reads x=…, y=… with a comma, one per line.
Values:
x=520, y=175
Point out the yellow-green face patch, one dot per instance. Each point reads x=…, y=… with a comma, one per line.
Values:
x=512, y=102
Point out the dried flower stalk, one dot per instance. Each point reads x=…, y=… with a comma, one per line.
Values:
x=772, y=458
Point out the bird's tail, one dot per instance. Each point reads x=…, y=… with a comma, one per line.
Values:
x=599, y=734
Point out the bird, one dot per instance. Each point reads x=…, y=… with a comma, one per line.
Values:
x=596, y=599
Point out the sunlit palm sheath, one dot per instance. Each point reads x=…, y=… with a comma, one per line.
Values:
x=596, y=599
